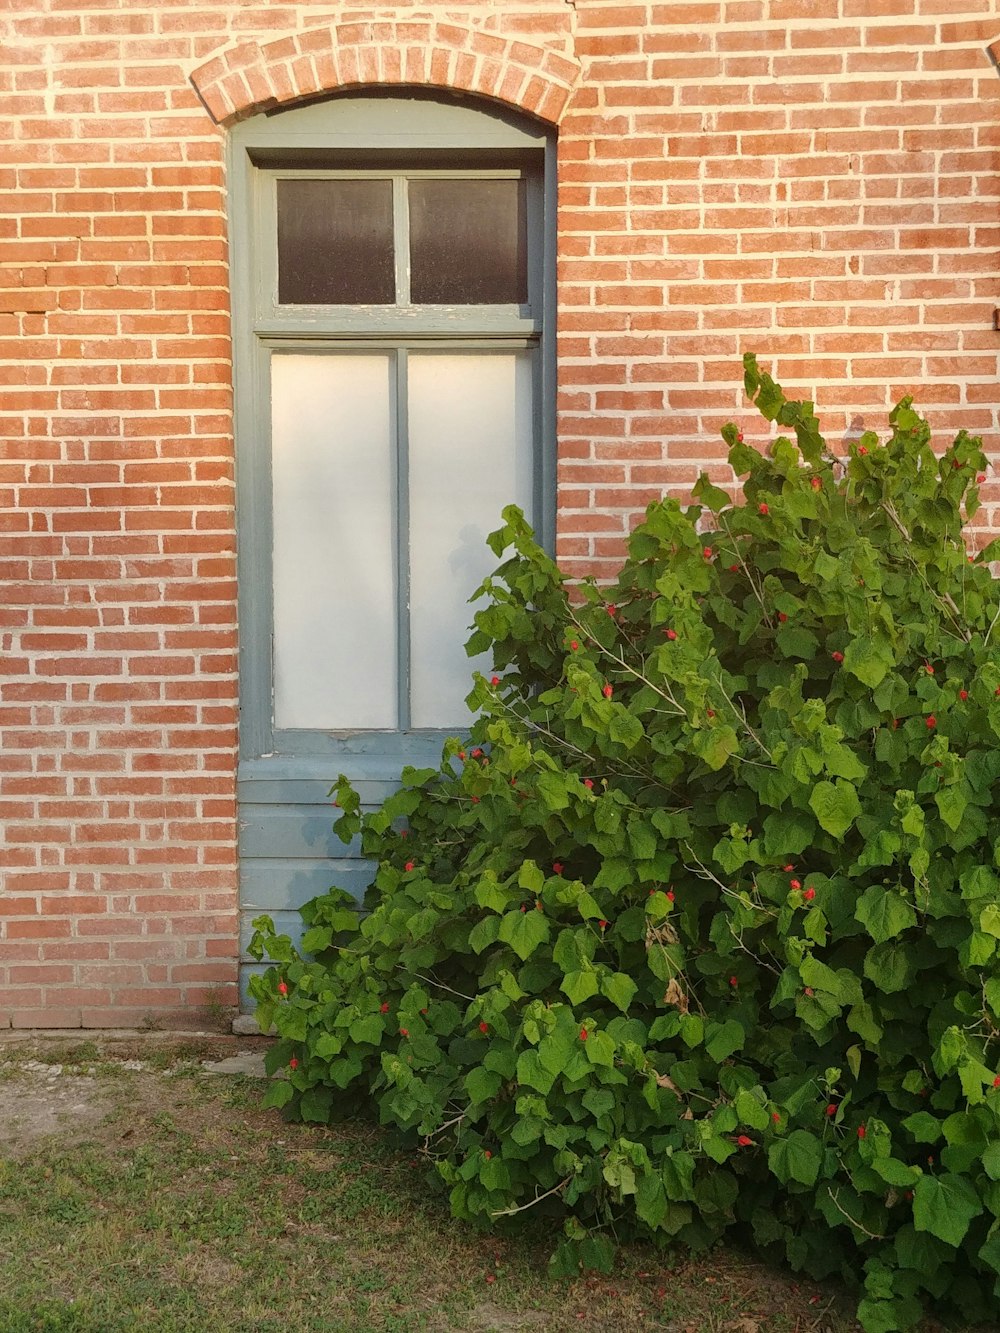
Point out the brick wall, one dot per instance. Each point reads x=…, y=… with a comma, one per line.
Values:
x=816, y=180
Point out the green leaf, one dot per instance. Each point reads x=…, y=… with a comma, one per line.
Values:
x=797, y=1157
x=482, y=1084
x=889, y=966
x=724, y=1039
x=884, y=913
x=532, y=1073
x=867, y=658
x=952, y=804
x=367, y=1031
x=315, y=1104
x=579, y=986
x=991, y=1161
x=489, y=894
x=279, y=1093
x=484, y=933
x=600, y=1048
x=788, y=833
x=715, y=745
x=619, y=989
x=835, y=805
x=945, y=1206
x=524, y=931
x=625, y=729
x=989, y=920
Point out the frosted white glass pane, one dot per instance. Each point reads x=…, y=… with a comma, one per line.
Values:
x=471, y=453
x=334, y=568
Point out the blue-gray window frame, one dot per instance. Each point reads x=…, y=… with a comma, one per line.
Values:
x=364, y=129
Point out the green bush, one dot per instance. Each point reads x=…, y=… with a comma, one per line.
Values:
x=698, y=931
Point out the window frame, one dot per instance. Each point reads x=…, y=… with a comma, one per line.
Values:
x=325, y=138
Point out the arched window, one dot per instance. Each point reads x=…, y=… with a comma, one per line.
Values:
x=393, y=266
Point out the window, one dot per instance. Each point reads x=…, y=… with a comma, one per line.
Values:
x=392, y=266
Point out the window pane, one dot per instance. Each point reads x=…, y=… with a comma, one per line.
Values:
x=334, y=563
x=470, y=453
x=335, y=242
x=468, y=242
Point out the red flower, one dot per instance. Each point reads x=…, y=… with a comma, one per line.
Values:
x=671, y=634
x=384, y=1008
x=557, y=867
x=573, y=645
x=583, y=1034
x=861, y=1131
x=928, y=668
x=815, y=483
x=832, y=1109
x=809, y=895
x=931, y=722
x=837, y=657
x=293, y=1063
x=484, y=1027
x=403, y=1032
x=739, y=437
x=491, y=1277
x=461, y=754
x=589, y=783
x=710, y=712
x=494, y=680
x=282, y=988
x=670, y=895
x=408, y=866
x=707, y=552
x=603, y=925
x=776, y=1117
x=734, y=981
x=788, y=869
x=963, y=695
x=862, y=450
x=808, y=990
x=612, y=608
x=980, y=477
x=795, y=884
x=782, y=616
x=734, y=569
x=607, y=691
x=487, y=1154
x=477, y=753
x=475, y=800
x=996, y=1081
x=763, y=509
x=744, y=1142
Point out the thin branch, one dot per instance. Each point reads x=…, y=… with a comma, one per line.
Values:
x=441, y=986
x=509, y=1212
x=854, y=1223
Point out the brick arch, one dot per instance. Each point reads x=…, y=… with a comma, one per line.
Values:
x=430, y=53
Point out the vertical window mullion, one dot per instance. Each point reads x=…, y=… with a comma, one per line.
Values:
x=401, y=231
x=402, y=526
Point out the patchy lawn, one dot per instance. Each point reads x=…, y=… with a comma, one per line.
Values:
x=139, y=1193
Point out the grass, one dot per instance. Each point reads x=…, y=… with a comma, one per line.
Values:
x=185, y=1208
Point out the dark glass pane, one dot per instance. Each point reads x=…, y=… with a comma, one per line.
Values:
x=468, y=242
x=335, y=242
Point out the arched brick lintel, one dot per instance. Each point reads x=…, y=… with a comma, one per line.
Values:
x=248, y=77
